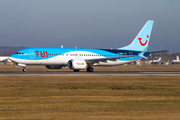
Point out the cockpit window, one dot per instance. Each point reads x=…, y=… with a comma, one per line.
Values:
x=20, y=53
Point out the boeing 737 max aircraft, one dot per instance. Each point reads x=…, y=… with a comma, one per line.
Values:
x=79, y=59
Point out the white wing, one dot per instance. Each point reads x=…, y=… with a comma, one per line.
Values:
x=2, y=58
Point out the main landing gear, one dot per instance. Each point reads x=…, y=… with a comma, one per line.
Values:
x=89, y=69
x=76, y=70
x=24, y=69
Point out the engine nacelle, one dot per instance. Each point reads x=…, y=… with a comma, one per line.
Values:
x=54, y=66
x=77, y=64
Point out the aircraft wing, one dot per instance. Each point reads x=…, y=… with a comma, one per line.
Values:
x=2, y=58
x=156, y=52
x=142, y=54
x=97, y=60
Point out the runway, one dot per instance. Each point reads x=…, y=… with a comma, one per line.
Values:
x=83, y=73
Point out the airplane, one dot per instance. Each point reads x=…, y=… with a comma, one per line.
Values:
x=79, y=58
x=177, y=60
x=150, y=61
x=156, y=60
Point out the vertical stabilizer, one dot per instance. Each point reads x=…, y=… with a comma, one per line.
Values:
x=141, y=41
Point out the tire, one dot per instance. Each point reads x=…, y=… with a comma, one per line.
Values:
x=76, y=70
x=24, y=70
x=89, y=69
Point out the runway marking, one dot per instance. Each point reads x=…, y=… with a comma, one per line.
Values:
x=96, y=73
x=88, y=74
x=162, y=72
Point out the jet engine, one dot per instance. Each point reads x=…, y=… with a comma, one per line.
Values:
x=77, y=64
x=54, y=66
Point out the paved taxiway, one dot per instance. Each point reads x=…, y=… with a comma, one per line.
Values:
x=83, y=73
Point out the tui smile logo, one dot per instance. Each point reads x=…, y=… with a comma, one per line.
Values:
x=143, y=44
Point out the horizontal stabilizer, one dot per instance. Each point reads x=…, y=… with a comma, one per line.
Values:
x=142, y=53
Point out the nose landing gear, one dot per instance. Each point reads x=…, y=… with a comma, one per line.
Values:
x=23, y=66
x=24, y=69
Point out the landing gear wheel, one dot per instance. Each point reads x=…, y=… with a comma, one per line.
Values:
x=24, y=70
x=89, y=69
x=76, y=70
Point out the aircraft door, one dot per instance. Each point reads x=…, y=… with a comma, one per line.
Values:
x=31, y=54
x=78, y=55
x=130, y=58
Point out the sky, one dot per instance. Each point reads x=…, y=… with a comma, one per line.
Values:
x=88, y=23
